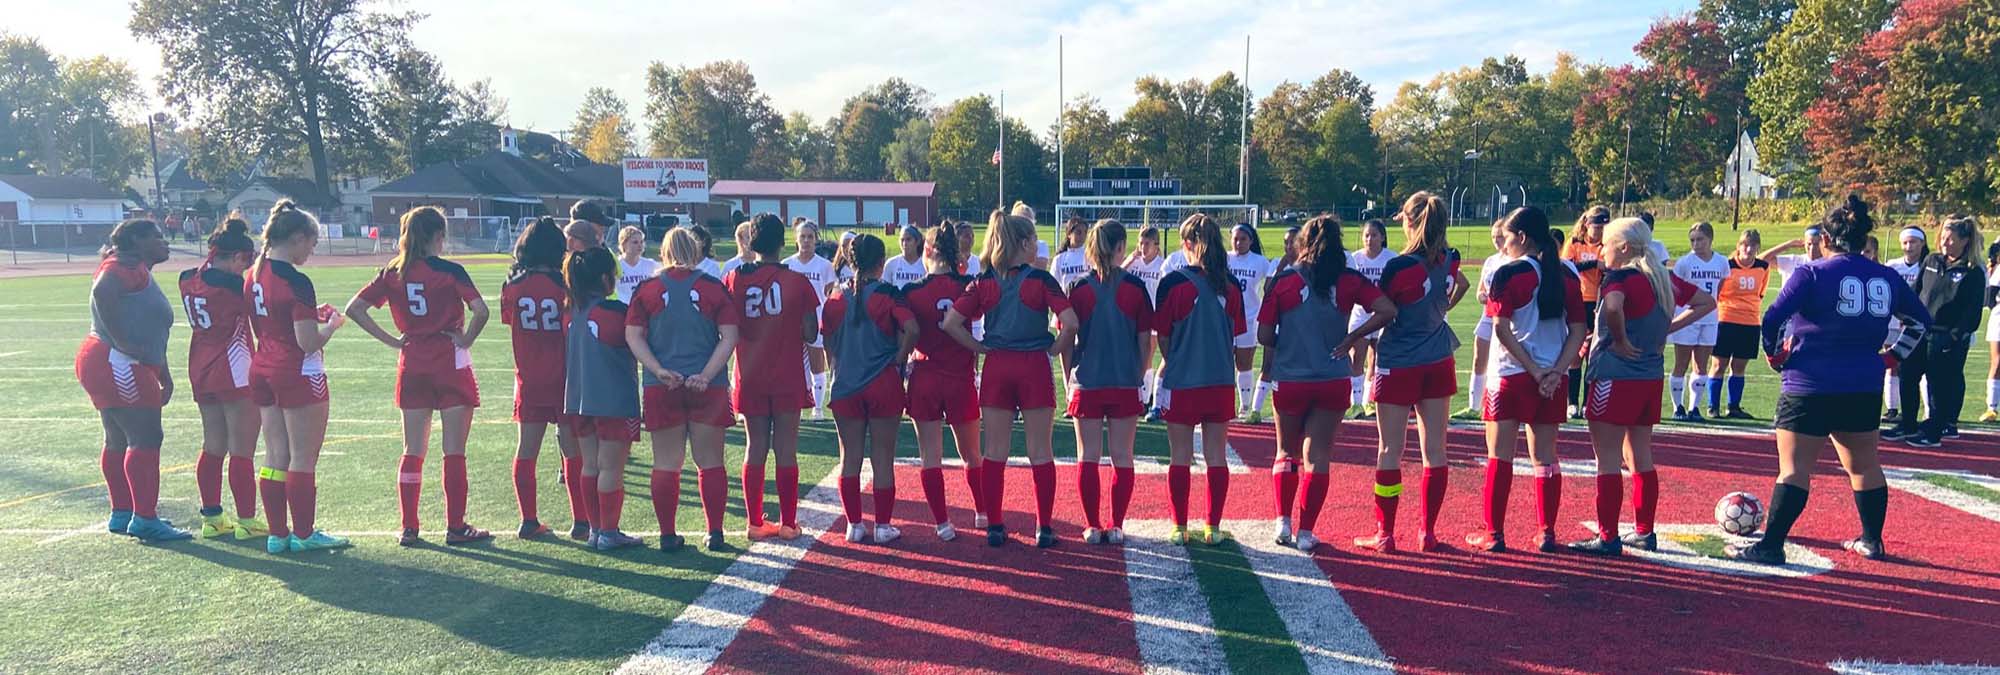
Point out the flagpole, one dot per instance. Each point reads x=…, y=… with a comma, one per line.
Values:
x=1003, y=149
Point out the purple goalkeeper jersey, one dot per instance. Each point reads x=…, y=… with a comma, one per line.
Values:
x=1838, y=311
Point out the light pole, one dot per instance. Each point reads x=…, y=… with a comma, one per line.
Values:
x=1625, y=186
x=153, y=139
x=1473, y=156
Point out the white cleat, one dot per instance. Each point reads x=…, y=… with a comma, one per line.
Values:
x=886, y=533
x=1284, y=531
x=946, y=532
x=1305, y=541
x=979, y=521
x=1114, y=536
x=817, y=415
x=856, y=533
x=1092, y=535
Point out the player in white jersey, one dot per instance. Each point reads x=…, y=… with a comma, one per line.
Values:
x=1248, y=264
x=818, y=270
x=1148, y=264
x=708, y=265
x=633, y=265
x=1368, y=260
x=1915, y=247
x=907, y=268
x=743, y=253
x=1069, y=265
x=1992, y=413
x=1482, y=332
x=1705, y=269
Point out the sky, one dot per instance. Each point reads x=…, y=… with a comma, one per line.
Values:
x=811, y=56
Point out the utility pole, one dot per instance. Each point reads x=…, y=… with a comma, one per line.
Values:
x=1625, y=186
x=1736, y=199
x=1474, y=183
x=153, y=138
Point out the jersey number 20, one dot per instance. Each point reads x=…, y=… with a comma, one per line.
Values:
x=758, y=302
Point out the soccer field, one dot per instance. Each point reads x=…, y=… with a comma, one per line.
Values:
x=79, y=600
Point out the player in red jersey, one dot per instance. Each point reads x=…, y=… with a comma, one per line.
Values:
x=219, y=377
x=869, y=333
x=941, y=389
x=288, y=378
x=600, y=389
x=1198, y=312
x=429, y=299
x=1015, y=298
x=1308, y=360
x=533, y=303
x=681, y=327
x=779, y=308
x=122, y=365
x=1113, y=315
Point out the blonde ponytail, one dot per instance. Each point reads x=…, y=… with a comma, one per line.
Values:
x=1635, y=235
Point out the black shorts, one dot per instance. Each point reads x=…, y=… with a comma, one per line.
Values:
x=1736, y=341
x=1826, y=414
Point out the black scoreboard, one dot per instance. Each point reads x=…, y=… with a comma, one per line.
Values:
x=1122, y=181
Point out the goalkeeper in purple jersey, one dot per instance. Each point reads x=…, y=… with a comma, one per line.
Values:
x=1837, y=309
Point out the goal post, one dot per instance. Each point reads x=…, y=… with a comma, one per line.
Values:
x=1162, y=213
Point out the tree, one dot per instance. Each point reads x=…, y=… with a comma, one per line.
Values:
x=292, y=72
x=865, y=132
x=607, y=141
x=599, y=104
x=415, y=106
x=66, y=115
x=30, y=82
x=897, y=98
x=1187, y=129
x=1746, y=26
x=715, y=111
x=1311, y=144
x=962, y=145
x=808, y=147
x=1680, y=109
x=908, y=157
x=1090, y=138
x=1793, y=69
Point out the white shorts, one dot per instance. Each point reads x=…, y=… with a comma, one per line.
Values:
x=1484, y=329
x=1992, y=329
x=1359, y=317
x=1695, y=335
x=1248, y=339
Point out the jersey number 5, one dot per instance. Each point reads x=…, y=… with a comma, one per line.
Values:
x=418, y=305
x=758, y=302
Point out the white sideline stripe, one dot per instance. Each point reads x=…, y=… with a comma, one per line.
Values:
x=87, y=529
x=1170, y=616
x=1329, y=635
x=7, y=354
x=1864, y=667
x=1909, y=480
x=1143, y=464
x=1524, y=466
x=696, y=638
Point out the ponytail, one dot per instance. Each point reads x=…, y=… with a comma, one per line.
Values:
x=1201, y=233
x=287, y=222
x=421, y=226
x=942, y=239
x=540, y=247
x=231, y=237
x=1533, y=223
x=589, y=275
x=1101, y=250
x=1321, y=254
x=1635, y=235
x=1425, y=219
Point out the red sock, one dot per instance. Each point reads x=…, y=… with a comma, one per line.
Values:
x=112, y=463
x=524, y=488
x=753, y=493
x=1285, y=481
x=1122, y=479
x=273, y=490
x=410, y=490
x=579, y=503
x=885, y=504
x=142, y=471
x=666, y=489
x=1087, y=488
x=1499, y=482
x=714, y=485
x=454, y=491
x=302, y=497
x=976, y=485
x=611, y=505
x=1435, y=481
x=1218, y=493
x=586, y=489
x=1645, y=499
x=1610, y=492
x=1388, y=489
x=994, y=475
x=1549, y=493
x=850, y=498
x=1316, y=484
x=208, y=480
x=1045, y=494
x=1178, y=478
x=933, y=480
x=788, y=496
x=243, y=485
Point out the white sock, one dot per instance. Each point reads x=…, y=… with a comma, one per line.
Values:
x=1698, y=392
x=1676, y=387
x=1992, y=393
x=1892, y=389
x=819, y=390
x=1149, y=386
x=1358, y=389
x=1246, y=380
x=1264, y=388
x=1478, y=390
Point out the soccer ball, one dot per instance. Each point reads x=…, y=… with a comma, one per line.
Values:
x=1739, y=513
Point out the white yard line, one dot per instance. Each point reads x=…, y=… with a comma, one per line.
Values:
x=1878, y=668
x=1909, y=480
x=1328, y=634
x=1170, y=615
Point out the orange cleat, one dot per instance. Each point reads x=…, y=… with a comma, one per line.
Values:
x=761, y=532
x=788, y=532
x=1378, y=542
x=1486, y=541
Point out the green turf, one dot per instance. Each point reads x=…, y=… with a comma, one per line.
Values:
x=1706, y=545
x=1254, y=639
x=1957, y=484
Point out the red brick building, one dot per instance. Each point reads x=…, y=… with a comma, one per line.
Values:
x=833, y=203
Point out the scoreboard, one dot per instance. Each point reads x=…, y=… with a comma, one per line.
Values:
x=1122, y=181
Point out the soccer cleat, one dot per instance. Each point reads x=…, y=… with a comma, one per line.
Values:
x=465, y=535
x=1114, y=536
x=1092, y=535
x=1694, y=415
x=1305, y=541
x=1756, y=553
x=946, y=532
x=1739, y=414
x=156, y=530
x=1178, y=536
x=1469, y=413
x=1212, y=536
x=1647, y=542
x=887, y=533
x=533, y=529
x=1486, y=541
x=216, y=526
x=120, y=522
x=760, y=532
x=817, y=415
x=1918, y=441
x=979, y=521
x=274, y=544
x=670, y=543
x=996, y=535
x=1898, y=433
x=1575, y=413
x=607, y=540
x=1871, y=550
x=1892, y=416
x=1950, y=431
x=788, y=532
x=251, y=527
x=1546, y=542
x=856, y=533
x=1153, y=415
x=1715, y=413
x=409, y=537
x=1990, y=416
x=1680, y=413
x=580, y=532
x=718, y=543
x=1599, y=546
x=1284, y=531
x=1256, y=417
x=319, y=541
x=1428, y=542
x=1045, y=538
x=1378, y=542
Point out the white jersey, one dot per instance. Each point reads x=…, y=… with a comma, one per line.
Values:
x=1250, y=270
x=1041, y=250
x=1909, y=270
x=731, y=264
x=630, y=276
x=1069, y=266
x=1370, y=269
x=972, y=266
x=1487, y=267
x=1542, y=337
x=819, y=271
x=900, y=271
x=1175, y=261
x=1706, y=275
x=710, y=267
x=1789, y=263
x=1148, y=272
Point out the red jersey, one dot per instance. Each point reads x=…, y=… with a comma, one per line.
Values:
x=1039, y=292
x=1288, y=290
x=536, y=305
x=279, y=295
x=929, y=299
x=220, y=316
x=1131, y=300
x=884, y=308
x=1177, y=300
x=770, y=347
x=427, y=299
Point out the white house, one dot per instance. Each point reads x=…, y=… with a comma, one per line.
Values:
x=58, y=199
x=1743, y=161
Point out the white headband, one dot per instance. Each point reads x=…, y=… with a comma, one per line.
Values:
x=1914, y=232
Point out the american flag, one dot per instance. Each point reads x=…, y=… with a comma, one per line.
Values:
x=996, y=157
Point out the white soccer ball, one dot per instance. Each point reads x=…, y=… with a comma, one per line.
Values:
x=1739, y=514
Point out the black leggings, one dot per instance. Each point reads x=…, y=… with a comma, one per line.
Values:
x=131, y=428
x=1576, y=373
x=1939, y=370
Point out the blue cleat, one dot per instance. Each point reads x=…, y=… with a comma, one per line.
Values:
x=275, y=544
x=120, y=522
x=319, y=541
x=157, y=530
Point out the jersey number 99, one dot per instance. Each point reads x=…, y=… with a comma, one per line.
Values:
x=1857, y=297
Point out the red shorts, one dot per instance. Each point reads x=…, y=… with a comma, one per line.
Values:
x=936, y=396
x=1407, y=385
x=1201, y=405
x=437, y=391
x=221, y=381
x=614, y=429
x=666, y=407
x=540, y=414
x=114, y=380
x=1017, y=381
x=882, y=398
x=1298, y=398
x=288, y=389
x=768, y=403
x=1626, y=403
x=1516, y=398
x=1105, y=404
